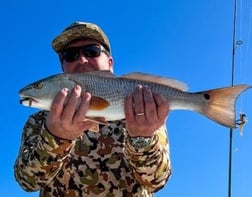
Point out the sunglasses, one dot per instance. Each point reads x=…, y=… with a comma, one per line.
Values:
x=91, y=51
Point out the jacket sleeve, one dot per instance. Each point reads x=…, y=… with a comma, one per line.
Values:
x=41, y=154
x=151, y=165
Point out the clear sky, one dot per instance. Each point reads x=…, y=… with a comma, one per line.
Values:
x=187, y=40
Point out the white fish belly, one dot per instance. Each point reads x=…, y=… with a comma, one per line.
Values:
x=110, y=113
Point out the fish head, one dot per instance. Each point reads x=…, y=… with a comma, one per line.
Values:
x=40, y=94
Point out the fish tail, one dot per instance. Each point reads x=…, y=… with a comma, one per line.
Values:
x=221, y=104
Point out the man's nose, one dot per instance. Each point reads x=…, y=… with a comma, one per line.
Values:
x=82, y=59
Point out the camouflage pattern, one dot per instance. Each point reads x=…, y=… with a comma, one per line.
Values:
x=80, y=30
x=96, y=164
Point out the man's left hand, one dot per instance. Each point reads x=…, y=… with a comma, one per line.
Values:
x=145, y=112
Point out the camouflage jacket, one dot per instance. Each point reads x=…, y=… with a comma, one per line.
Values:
x=95, y=164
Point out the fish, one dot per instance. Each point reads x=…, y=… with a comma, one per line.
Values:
x=109, y=91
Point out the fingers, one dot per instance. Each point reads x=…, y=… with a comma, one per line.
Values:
x=150, y=104
x=57, y=106
x=82, y=109
x=72, y=104
x=162, y=106
x=139, y=105
x=134, y=105
x=145, y=111
x=144, y=103
x=66, y=118
x=128, y=107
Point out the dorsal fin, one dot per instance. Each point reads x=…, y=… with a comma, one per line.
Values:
x=157, y=79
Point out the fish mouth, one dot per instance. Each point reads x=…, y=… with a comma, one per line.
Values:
x=28, y=100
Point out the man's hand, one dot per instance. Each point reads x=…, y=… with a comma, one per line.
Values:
x=66, y=118
x=145, y=112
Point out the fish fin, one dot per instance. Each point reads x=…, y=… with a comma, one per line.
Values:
x=94, y=128
x=98, y=120
x=98, y=103
x=157, y=79
x=221, y=105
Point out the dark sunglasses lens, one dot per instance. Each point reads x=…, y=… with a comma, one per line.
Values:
x=91, y=50
x=70, y=54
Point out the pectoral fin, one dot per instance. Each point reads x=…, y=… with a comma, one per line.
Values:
x=97, y=120
x=98, y=103
x=94, y=128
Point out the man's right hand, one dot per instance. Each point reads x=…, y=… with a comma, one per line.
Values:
x=66, y=118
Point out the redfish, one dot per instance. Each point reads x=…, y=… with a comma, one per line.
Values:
x=109, y=92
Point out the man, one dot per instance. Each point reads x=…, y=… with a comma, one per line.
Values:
x=60, y=155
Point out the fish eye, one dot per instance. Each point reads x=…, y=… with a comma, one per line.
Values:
x=38, y=85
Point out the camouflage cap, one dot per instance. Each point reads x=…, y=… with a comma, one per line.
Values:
x=79, y=30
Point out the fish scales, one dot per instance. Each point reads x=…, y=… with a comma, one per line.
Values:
x=118, y=88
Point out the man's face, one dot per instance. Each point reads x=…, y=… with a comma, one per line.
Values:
x=84, y=63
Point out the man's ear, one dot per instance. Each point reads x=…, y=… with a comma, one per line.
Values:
x=111, y=64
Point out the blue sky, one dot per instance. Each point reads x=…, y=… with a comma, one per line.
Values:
x=187, y=40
